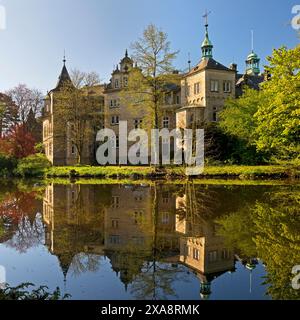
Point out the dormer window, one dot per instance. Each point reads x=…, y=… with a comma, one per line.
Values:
x=125, y=82
x=117, y=85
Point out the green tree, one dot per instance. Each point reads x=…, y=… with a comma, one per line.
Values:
x=269, y=229
x=79, y=114
x=269, y=120
x=278, y=117
x=147, y=83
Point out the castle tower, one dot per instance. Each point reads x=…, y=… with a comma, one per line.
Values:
x=252, y=64
x=207, y=46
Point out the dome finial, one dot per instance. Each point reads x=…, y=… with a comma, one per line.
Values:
x=64, y=59
x=205, y=16
x=206, y=45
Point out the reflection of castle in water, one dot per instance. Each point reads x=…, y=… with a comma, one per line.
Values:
x=132, y=225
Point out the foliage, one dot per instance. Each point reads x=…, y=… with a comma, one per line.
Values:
x=269, y=119
x=147, y=82
x=26, y=99
x=82, y=79
x=39, y=148
x=8, y=113
x=7, y=165
x=222, y=147
x=79, y=115
x=243, y=172
x=278, y=117
x=34, y=165
x=269, y=230
x=17, y=142
x=21, y=293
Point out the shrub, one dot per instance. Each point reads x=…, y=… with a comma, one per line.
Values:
x=7, y=165
x=21, y=292
x=33, y=166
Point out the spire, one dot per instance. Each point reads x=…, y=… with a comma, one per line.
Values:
x=189, y=61
x=64, y=59
x=252, y=62
x=126, y=53
x=206, y=44
x=64, y=75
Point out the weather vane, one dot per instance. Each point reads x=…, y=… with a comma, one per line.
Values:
x=206, y=17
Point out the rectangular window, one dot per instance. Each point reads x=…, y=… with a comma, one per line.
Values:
x=166, y=122
x=165, y=217
x=215, y=116
x=197, y=88
x=225, y=254
x=138, y=123
x=196, y=254
x=214, y=86
x=213, y=256
x=117, y=142
x=177, y=100
x=114, y=239
x=115, y=202
x=115, y=120
x=116, y=83
x=115, y=224
x=138, y=216
x=227, y=86
x=114, y=103
x=187, y=250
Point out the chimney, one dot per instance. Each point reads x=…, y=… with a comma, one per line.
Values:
x=233, y=67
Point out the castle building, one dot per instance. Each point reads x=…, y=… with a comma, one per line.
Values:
x=58, y=134
x=205, y=88
x=198, y=98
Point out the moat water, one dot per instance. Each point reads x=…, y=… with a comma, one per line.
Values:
x=152, y=240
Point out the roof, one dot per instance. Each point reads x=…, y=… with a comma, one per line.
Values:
x=209, y=64
x=252, y=56
x=63, y=79
x=252, y=81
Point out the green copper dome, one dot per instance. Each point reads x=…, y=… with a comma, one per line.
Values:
x=252, y=64
x=206, y=46
x=206, y=41
x=252, y=55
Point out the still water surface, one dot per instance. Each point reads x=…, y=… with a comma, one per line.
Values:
x=152, y=240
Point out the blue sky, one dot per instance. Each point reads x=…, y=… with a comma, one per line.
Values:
x=95, y=33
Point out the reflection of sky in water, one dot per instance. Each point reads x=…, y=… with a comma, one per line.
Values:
x=38, y=266
x=43, y=239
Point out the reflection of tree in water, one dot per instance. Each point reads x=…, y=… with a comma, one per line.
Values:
x=156, y=279
x=22, y=227
x=84, y=262
x=269, y=229
x=28, y=234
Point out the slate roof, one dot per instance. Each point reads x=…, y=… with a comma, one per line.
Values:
x=209, y=64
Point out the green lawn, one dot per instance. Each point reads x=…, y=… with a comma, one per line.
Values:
x=242, y=172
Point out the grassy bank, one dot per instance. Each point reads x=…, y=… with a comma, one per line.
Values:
x=241, y=172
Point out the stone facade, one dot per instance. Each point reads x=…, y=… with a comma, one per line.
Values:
x=198, y=99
